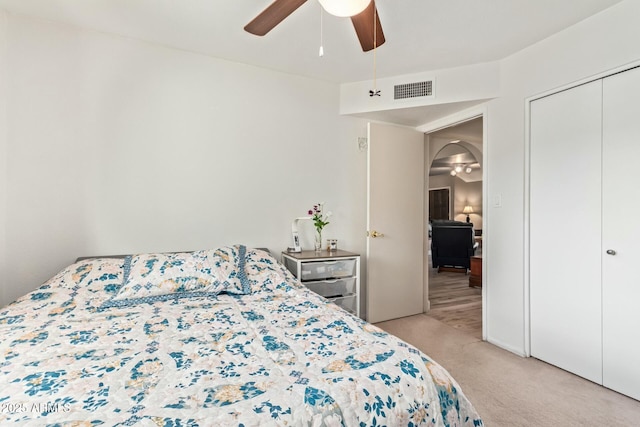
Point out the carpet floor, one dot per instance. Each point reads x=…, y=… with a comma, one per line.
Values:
x=512, y=391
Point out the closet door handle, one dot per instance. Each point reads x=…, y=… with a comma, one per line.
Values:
x=611, y=252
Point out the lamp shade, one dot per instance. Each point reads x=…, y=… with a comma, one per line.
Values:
x=467, y=210
x=344, y=8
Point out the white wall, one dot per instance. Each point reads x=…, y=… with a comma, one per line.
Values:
x=600, y=43
x=604, y=42
x=461, y=193
x=468, y=193
x=3, y=155
x=120, y=146
x=478, y=81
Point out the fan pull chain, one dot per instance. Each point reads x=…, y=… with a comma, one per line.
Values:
x=374, y=92
x=321, y=52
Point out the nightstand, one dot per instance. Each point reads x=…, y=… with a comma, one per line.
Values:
x=334, y=275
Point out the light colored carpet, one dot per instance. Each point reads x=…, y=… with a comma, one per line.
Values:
x=511, y=391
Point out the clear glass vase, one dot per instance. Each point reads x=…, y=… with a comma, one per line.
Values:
x=317, y=242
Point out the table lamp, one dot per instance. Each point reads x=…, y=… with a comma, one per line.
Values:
x=467, y=210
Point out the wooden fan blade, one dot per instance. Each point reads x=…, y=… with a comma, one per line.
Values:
x=272, y=16
x=363, y=23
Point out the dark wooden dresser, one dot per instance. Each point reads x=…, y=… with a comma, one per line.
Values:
x=475, y=276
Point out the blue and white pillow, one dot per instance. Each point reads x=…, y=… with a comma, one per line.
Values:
x=159, y=277
x=229, y=262
x=264, y=272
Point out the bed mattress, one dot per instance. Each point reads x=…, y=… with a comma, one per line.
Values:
x=277, y=355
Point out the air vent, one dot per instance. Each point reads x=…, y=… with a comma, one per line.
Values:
x=413, y=90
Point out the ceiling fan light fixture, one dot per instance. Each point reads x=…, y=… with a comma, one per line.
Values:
x=344, y=8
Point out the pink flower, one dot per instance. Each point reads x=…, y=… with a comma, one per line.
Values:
x=319, y=219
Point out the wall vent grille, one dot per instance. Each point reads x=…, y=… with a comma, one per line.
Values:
x=413, y=90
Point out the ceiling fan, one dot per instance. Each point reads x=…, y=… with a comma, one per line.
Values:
x=361, y=12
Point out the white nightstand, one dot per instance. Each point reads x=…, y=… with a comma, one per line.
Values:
x=335, y=275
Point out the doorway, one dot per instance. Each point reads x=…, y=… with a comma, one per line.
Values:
x=454, y=161
x=439, y=203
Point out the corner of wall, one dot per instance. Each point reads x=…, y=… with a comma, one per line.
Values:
x=3, y=153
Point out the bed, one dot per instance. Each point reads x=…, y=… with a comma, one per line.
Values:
x=222, y=337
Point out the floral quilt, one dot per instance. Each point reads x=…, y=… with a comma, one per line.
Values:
x=278, y=355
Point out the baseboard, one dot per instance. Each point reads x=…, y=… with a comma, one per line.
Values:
x=507, y=347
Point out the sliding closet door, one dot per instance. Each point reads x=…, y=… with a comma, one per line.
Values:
x=565, y=224
x=621, y=233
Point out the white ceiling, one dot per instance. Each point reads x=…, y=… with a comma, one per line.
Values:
x=421, y=35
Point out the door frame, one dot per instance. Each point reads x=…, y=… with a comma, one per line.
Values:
x=445, y=122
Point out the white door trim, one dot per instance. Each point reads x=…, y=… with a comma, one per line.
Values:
x=454, y=119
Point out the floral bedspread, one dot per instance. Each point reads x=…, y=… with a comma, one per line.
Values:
x=279, y=356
